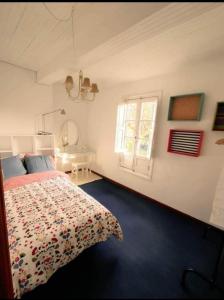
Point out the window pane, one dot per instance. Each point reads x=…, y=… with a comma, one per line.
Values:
x=129, y=144
x=119, y=128
x=142, y=165
x=142, y=147
x=120, y=115
x=130, y=128
x=119, y=137
x=145, y=129
x=147, y=110
x=126, y=161
x=131, y=111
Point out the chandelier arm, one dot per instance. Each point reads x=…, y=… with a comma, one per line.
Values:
x=85, y=92
x=93, y=98
x=75, y=99
x=78, y=95
x=83, y=98
x=90, y=99
x=80, y=81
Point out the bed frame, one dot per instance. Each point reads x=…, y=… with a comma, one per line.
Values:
x=6, y=287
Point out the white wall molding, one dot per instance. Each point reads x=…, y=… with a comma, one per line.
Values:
x=166, y=18
x=17, y=66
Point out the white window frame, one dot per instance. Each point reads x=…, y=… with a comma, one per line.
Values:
x=153, y=97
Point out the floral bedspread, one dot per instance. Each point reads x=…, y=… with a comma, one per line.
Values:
x=50, y=222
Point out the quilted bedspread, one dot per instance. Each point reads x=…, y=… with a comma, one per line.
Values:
x=50, y=222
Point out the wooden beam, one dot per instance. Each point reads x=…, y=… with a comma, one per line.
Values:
x=6, y=286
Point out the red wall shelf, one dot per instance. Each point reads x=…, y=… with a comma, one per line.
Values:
x=185, y=142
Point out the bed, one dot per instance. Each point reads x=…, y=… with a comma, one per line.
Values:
x=50, y=222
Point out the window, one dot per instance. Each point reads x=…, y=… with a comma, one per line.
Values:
x=134, y=134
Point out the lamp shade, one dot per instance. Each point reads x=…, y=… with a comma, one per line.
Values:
x=69, y=84
x=94, y=88
x=86, y=83
x=85, y=91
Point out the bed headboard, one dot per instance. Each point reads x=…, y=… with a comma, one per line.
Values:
x=6, y=287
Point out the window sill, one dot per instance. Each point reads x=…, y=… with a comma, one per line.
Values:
x=147, y=177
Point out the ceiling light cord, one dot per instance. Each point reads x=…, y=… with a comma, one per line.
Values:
x=71, y=17
x=53, y=15
x=73, y=32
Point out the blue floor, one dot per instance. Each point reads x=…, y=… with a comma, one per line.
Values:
x=148, y=263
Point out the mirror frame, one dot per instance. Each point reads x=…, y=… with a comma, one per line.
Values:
x=61, y=134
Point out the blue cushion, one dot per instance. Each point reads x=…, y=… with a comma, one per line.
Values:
x=38, y=163
x=12, y=166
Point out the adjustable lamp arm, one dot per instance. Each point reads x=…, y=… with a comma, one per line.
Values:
x=56, y=110
x=62, y=111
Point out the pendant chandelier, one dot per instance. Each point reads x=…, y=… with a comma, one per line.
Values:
x=86, y=91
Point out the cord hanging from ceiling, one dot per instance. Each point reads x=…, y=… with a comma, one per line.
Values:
x=73, y=33
x=86, y=90
x=56, y=18
x=70, y=17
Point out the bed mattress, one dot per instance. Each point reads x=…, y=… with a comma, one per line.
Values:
x=50, y=222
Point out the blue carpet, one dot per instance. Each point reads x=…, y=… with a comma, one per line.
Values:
x=148, y=263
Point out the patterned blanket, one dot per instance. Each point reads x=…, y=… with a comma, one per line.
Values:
x=50, y=222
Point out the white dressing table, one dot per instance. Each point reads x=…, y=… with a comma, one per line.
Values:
x=70, y=153
x=64, y=160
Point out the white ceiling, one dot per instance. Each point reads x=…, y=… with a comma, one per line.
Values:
x=31, y=37
x=114, y=42
x=196, y=40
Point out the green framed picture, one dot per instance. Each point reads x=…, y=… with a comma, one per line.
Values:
x=186, y=107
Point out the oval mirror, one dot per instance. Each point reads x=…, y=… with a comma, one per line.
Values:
x=69, y=134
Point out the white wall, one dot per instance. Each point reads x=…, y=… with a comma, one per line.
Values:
x=182, y=182
x=185, y=183
x=218, y=203
x=21, y=100
x=74, y=111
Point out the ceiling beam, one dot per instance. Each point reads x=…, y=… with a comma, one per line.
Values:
x=16, y=65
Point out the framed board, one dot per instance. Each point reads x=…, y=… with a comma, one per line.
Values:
x=185, y=142
x=186, y=107
x=218, y=124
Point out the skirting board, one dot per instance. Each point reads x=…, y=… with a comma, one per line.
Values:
x=157, y=202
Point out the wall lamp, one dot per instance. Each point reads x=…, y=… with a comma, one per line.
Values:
x=43, y=132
